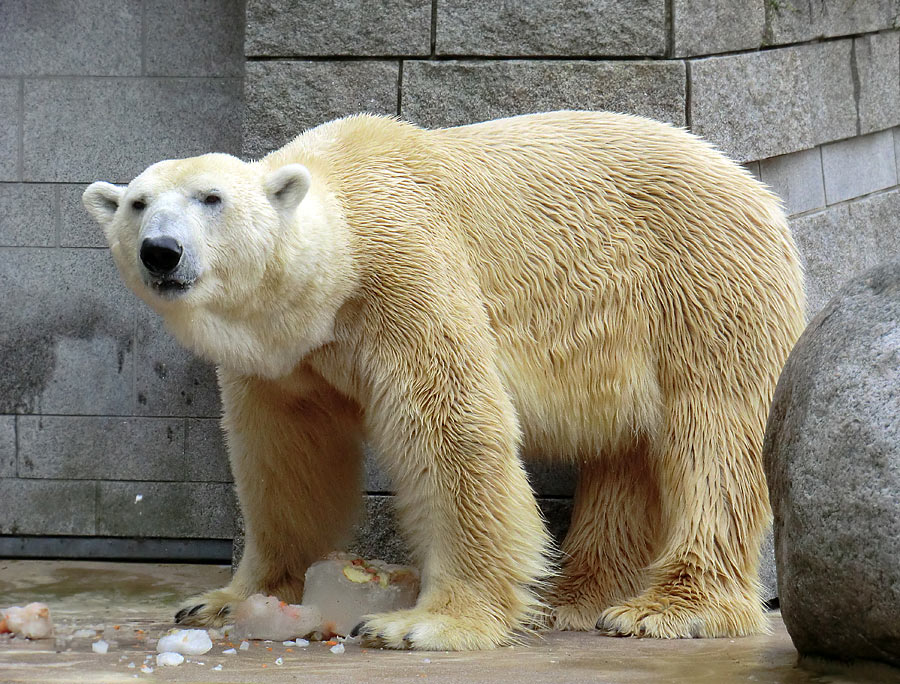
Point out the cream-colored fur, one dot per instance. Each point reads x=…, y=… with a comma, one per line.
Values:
x=585, y=287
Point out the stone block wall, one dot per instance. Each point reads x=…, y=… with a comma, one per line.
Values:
x=98, y=404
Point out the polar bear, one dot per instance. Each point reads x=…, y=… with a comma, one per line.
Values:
x=588, y=287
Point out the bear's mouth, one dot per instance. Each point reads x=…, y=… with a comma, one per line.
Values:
x=170, y=287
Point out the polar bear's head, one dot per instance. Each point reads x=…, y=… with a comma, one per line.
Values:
x=178, y=228
x=205, y=241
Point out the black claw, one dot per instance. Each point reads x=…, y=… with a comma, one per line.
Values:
x=224, y=611
x=356, y=630
x=195, y=609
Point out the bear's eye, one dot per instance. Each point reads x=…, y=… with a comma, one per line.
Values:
x=212, y=199
x=139, y=205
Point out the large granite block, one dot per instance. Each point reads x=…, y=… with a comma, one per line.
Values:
x=582, y=28
x=112, y=128
x=763, y=104
x=206, y=456
x=169, y=379
x=452, y=93
x=10, y=122
x=101, y=448
x=193, y=510
x=859, y=166
x=705, y=27
x=27, y=215
x=65, y=37
x=7, y=446
x=788, y=21
x=43, y=507
x=194, y=38
x=285, y=98
x=832, y=460
x=877, y=63
x=66, y=343
x=797, y=179
x=281, y=28
x=76, y=227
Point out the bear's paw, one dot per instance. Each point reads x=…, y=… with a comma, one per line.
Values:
x=656, y=614
x=212, y=609
x=429, y=631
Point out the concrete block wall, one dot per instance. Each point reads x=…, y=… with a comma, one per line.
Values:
x=97, y=404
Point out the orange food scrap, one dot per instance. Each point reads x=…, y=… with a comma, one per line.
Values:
x=289, y=650
x=3, y=627
x=116, y=626
x=264, y=665
x=331, y=642
x=268, y=648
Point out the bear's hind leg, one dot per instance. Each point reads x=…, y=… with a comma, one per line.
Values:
x=703, y=583
x=611, y=539
x=297, y=465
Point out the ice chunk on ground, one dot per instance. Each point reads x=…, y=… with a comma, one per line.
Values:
x=217, y=668
x=301, y=642
x=245, y=645
x=279, y=661
x=265, y=617
x=346, y=587
x=229, y=651
x=169, y=658
x=100, y=646
x=337, y=648
x=185, y=641
x=32, y=621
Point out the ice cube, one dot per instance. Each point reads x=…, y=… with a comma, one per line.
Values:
x=169, y=658
x=245, y=645
x=185, y=641
x=345, y=587
x=229, y=651
x=32, y=621
x=100, y=646
x=301, y=642
x=217, y=668
x=279, y=661
x=337, y=648
x=265, y=617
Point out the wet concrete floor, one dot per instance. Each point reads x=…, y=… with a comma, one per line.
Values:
x=130, y=605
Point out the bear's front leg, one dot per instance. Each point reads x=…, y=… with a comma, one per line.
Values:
x=296, y=457
x=447, y=434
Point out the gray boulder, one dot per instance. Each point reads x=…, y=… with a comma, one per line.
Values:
x=832, y=456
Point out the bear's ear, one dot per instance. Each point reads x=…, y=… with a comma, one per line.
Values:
x=101, y=200
x=286, y=187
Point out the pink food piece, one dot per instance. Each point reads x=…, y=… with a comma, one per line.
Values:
x=32, y=621
x=265, y=617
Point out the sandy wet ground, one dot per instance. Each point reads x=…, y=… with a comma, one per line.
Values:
x=130, y=605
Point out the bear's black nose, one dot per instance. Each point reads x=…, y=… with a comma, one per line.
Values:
x=160, y=254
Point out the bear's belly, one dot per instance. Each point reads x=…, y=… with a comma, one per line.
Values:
x=580, y=402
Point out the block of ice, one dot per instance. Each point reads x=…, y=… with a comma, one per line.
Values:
x=265, y=617
x=185, y=641
x=32, y=622
x=169, y=658
x=345, y=587
x=100, y=646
